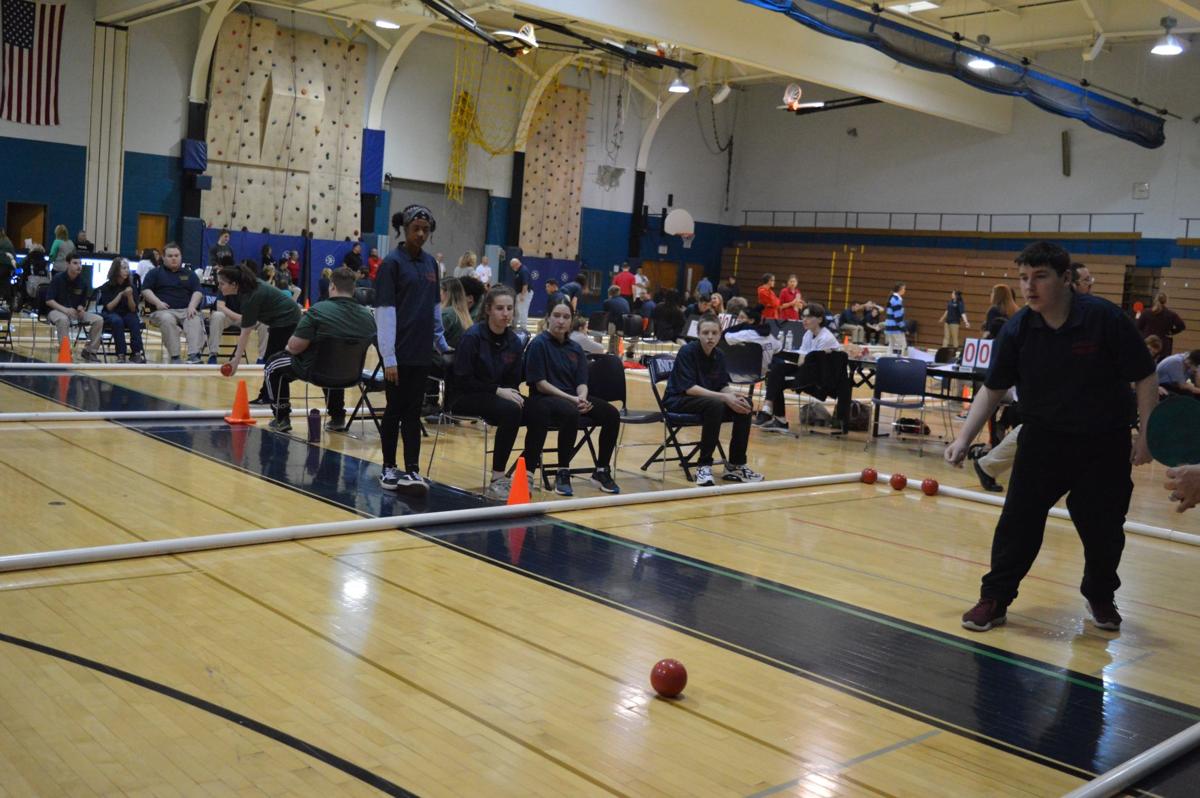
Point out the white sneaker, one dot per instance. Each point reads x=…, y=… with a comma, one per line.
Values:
x=704, y=477
x=499, y=489
x=741, y=473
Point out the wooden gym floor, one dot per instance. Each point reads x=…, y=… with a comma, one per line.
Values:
x=819, y=627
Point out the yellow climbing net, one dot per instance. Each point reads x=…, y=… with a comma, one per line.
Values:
x=485, y=110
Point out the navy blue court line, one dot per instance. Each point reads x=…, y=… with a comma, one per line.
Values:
x=1061, y=718
x=270, y=732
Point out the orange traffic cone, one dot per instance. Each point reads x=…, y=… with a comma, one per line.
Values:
x=64, y=351
x=241, y=407
x=845, y=340
x=620, y=347
x=519, y=492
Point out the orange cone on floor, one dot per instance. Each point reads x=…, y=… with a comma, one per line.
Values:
x=64, y=351
x=519, y=492
x=241, y=406
x=620, y=347
x=845, y=340
x=966, y=394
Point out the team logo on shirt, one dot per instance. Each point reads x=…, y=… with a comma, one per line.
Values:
x=508, y=358
x=1083, y=348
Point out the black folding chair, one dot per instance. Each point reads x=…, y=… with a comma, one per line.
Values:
x=606, y=380
x=446, y=417
x=348, y=372
x=743, y=361
x=905, y=378
x=660, y=367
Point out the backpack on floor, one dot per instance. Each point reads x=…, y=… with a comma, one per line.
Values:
x=814, y=415
x=860, y=417
x=911, y=426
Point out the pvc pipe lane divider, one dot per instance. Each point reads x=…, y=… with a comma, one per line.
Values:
x=153, y=548
x=200, y=367
x=1131, y=527
x=141, y=415
x=1129, y=773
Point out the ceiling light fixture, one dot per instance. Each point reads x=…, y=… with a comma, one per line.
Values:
x=525, y=36
x=721, y=94
x=1169, y=44
x=678, y=86
x=979, y=62
x=386, y=24
x=911, y=8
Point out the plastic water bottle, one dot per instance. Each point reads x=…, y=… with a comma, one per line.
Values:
x=787, y=341
x=314, y=426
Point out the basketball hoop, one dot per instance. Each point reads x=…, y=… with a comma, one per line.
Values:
x=687, y=239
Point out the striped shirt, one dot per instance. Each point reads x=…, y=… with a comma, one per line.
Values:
x=895, y=315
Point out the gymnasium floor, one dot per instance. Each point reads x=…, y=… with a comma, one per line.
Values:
x=819, y=626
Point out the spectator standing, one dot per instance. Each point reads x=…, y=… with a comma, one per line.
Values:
x=1160, y=320
x=767, y=297
x=953, y=317
x=625, y=280
x=483, y=272
x=220, y=250
x=790, y=300
x=1003, y=308
x=61, y=249
x=895, y=327
x=466, y=265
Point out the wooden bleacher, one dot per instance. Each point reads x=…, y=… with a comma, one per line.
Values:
x=1181, y=283
x=869, y=272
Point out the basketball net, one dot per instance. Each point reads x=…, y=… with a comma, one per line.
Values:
x=687, y=239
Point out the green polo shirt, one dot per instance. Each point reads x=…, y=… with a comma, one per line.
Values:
x=336, y=317
x=270, y=306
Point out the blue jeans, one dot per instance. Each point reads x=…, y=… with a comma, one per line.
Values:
x=119, y=323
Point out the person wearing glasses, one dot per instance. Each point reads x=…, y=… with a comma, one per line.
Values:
x=1082, y=279
x=784, y=374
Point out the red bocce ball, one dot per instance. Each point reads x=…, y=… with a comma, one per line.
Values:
x=929, y=487
x=869, y=475
x=898, y=481
x=668, y=678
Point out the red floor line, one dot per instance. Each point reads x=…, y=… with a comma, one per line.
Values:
x=981, y=564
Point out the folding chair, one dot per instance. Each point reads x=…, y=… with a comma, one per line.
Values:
x=743, y=361
x=339, y=365
x=446, y=416
x=835, y=362
x=660, y=367
x=903, y=377
x=606, y=380
x=367, y=382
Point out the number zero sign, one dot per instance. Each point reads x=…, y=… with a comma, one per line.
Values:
x=970, y=352
x=985, y=354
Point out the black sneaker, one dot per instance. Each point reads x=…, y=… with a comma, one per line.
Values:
x=985, y=479
x=89, y=356
x=603, y=480
x=337, y=424
x=137, y=357
x=390, y=478
x=1104, y=615
x=774, y=425
x=562, y=483
x=280, y=424
x=411, y=483
x=761, y=418
x=261, y=399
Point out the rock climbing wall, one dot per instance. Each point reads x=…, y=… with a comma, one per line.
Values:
x=284, y=130
x=552, y=195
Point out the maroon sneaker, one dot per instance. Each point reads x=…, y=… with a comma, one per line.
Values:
x=987, y=613
x=1104, y=615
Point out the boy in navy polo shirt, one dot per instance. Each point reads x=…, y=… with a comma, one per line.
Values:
x=408, y=314
x=699, y=384
x=1072, y=358
x=68, y=301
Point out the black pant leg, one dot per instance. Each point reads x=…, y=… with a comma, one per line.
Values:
x=712, y=412
x=335, y=402
x=502, y=414
x=277, y=378
x=1098, y=503
x=780, y=374
x=559, y=413
x=533, y=416
x=402, y=416
x=1040, y=477
x=740, y=439
x=608, y=418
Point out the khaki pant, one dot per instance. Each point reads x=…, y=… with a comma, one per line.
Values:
x=169, y=321
x=854, y=331
x=217, y=323
x=62, y=325
x=521, y=316
x=1000, y=459
x=897, y=342
x=950, y=335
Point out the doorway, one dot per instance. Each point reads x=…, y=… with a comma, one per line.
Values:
x=26, y=221
x=151, y=232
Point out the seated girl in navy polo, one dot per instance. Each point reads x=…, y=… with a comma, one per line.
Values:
x=486, y=382
x=557, y=375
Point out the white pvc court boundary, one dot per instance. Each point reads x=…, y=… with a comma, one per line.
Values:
x=1130, y=772
x=140, y=415
x=1131, y=527
x=82, y=366
x=153, y=548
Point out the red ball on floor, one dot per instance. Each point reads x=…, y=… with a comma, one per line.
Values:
x=899, y=481
x=869, y=475
x=929, y=487
x=668, y=678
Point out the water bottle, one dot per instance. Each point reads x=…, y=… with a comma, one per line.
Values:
x=787, y=341
x=314, y=426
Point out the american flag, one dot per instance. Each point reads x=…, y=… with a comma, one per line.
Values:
x=30, y=58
